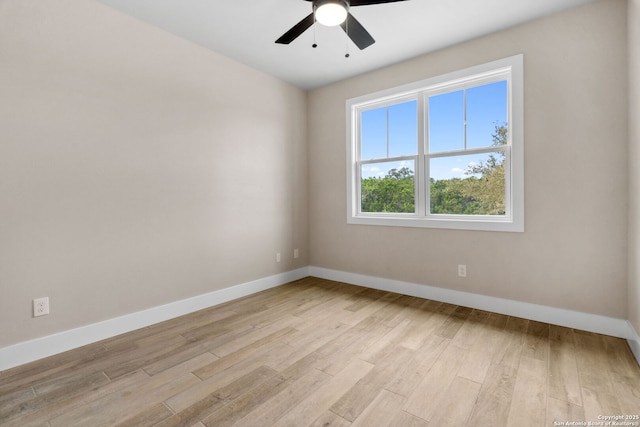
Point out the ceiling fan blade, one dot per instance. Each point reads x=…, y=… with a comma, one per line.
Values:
x=296, y=30
x=357, y=33
x=368, y=2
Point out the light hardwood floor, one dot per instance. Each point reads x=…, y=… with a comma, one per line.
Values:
x=322, y=353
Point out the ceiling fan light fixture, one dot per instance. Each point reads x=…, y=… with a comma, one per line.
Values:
x=331, y=13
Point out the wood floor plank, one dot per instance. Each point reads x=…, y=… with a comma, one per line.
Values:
x=222, y=330
x=327, y=303
x=194, y=412
x=63, y=384
x=405, y=419
x=49, y=368
x=144, y=355
x=564, y=381
x=471, y=329
x=54, y=392
x=285, y=325
x=73, y=402
x=173, y=327
x=387, y=343
x=393, y=314
x=408, y=377
x=239, y=408
x=597, y=402
x=457, y=403
x=229, y=360
x=322, y=398
x=351, y=344
x=383, y=410
x=322, y=353
x=529, y=401
x=281, y=361
x=414, y=336
x=427, y=396
x=218, y=398
x=628, y=395
x=316, y=335
x=494, y=399
x=406, y=318
x=454, y=322
x=15, y=399
x=364, y=298
x=438, y=315
x=410, y=308
x=329, y=419
x=356, y=400
x=369, y=309
x=261, y=395
x=622, y=365
x=228, y=370
x=120, y=404
x=148, y=417
x=560, y=411
x=536, y=345
x=593, y=363
x=297, y=390
x=490, y=339
x=180, y=355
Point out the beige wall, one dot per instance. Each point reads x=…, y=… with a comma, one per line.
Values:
x=120, y=147
x=136, y=168
x=634, y=170
x=573, y=253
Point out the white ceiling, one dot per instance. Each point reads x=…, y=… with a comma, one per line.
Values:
x=245, y=30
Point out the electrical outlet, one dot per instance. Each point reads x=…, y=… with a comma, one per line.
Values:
x=462, y=270
x=296, y=254
x=278, y=258
x=40, y=306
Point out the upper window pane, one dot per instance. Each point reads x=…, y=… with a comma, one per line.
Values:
x=389, y=131
x=373, y=125
x=486, y=110
x=403, y=129
x=446, y=122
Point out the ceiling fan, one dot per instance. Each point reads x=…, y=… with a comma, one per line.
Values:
x=332, y=13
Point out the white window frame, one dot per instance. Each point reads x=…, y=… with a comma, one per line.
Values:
x=509, y=69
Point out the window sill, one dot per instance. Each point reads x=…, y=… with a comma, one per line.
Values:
x=476, y=223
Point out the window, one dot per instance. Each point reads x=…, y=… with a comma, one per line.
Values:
x=446, y=152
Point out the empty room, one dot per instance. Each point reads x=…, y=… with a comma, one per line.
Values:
x=319, y=213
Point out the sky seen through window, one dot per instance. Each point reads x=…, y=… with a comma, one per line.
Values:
x=392, y=131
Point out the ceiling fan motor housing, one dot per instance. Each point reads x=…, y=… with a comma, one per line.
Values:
x=330, y=12
x=318, y=3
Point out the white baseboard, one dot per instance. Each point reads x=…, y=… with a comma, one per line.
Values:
x=634, y=341
x=572, y=319
x=39, y=348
